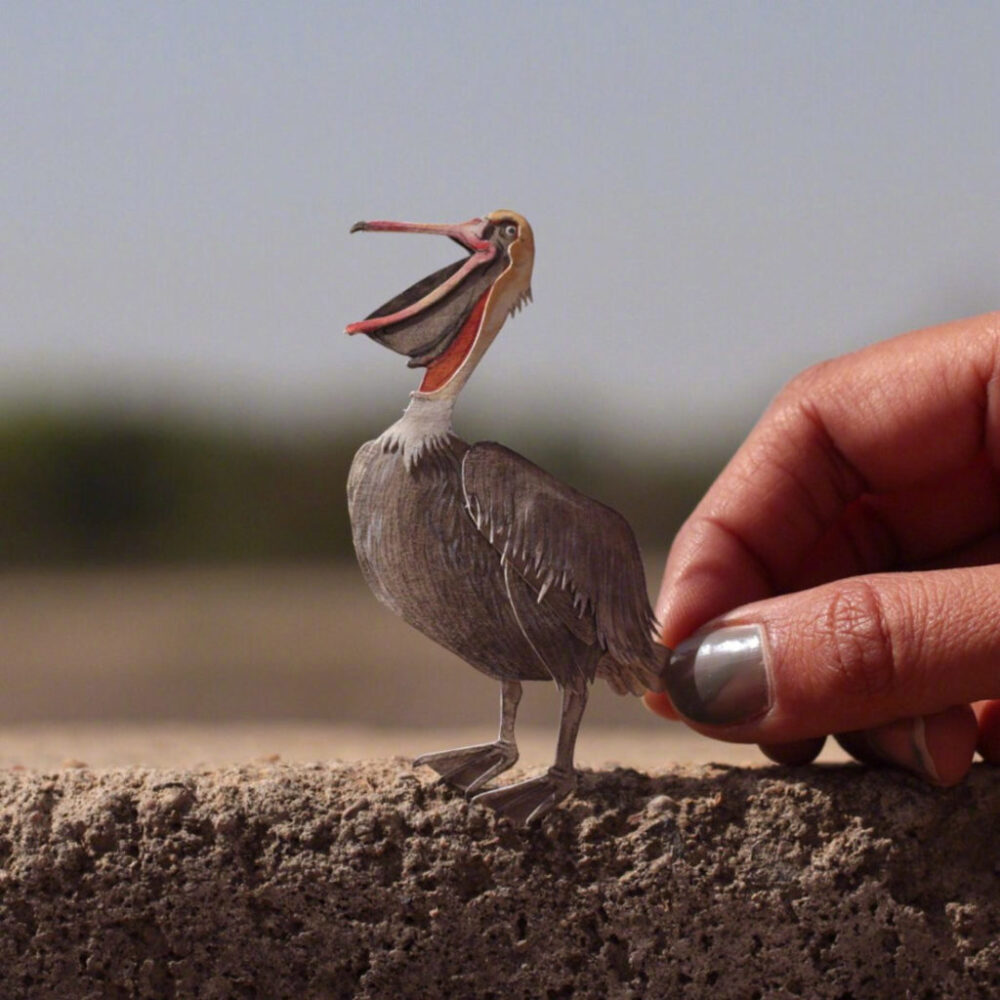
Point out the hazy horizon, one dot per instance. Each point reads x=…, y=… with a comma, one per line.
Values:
x=721, y=194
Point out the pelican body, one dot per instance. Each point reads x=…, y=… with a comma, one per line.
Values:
x=517, y=573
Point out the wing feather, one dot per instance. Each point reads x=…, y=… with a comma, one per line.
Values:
x=579, y=556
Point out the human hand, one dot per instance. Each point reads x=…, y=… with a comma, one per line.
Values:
x=784, y=591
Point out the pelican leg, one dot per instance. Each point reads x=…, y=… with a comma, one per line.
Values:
x=526, y=801
x=469, y=768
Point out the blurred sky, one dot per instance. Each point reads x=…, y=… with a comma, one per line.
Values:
x=722, y=193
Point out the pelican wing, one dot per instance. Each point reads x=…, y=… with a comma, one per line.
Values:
x=578, y=555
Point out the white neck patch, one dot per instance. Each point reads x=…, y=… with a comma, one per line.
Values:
x=424, y=428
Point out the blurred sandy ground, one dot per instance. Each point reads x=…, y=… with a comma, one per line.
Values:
x=193, y=667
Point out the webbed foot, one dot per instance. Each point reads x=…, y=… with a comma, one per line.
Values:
x=526, y=801
x=469, y=768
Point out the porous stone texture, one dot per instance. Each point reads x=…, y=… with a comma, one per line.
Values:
x=370, y=880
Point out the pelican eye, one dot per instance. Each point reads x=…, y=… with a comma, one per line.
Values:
x=510, y=229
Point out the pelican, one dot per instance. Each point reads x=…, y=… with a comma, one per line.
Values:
x=519, y=574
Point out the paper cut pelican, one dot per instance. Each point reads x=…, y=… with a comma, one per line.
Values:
x=520, y=575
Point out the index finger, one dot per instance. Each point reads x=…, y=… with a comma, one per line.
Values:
x=882, y=419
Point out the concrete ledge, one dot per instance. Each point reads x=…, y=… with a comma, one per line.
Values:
x=369, y=880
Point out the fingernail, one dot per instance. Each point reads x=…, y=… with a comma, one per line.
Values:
x=923, y=762
x=901, y=744
x=720, y=677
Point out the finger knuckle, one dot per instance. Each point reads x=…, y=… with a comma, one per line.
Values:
x=808, y=383
x=863, y=650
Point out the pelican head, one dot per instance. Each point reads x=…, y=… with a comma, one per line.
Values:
x=446, y=321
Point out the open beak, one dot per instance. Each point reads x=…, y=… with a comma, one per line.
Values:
x=422, y=321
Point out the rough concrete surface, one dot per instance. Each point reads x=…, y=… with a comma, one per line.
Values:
x=370, y=880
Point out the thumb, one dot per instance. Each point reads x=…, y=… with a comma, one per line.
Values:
x=845, y=656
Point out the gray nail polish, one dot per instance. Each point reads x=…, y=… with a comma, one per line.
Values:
x=720, y=677
x=882, y=746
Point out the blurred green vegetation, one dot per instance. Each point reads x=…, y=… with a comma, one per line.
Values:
x=110, y=489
